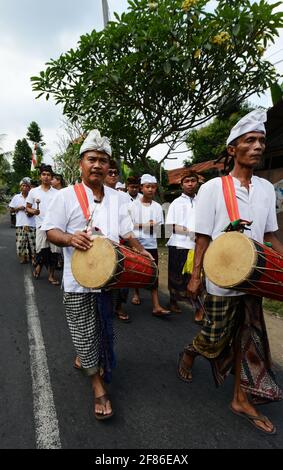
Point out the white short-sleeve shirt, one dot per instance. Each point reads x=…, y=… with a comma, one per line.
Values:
x=182, y=212
x=45, y=197
x=257, y=205
x=111, y=217
x=21, y=218
x=142, y=214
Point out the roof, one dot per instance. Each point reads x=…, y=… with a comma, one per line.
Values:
x=175, y=176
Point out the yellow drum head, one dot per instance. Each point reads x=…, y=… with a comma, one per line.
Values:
x=230, y=259
x=95, y=267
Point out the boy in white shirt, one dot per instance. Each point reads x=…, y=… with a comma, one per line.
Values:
x=181, y=217
x=147, y=217
x=37, y=202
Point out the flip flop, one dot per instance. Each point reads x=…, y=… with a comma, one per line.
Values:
x=186, y=368
x=54, y=283
x=252, y=419
x=102, y=401
x=123, y=318
x=162, y=313
x=135, y=301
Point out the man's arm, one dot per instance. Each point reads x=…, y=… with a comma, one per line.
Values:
x=276, y=244
x=79, y=240
x=136, y=245
x=195, y=284
x=30, y=210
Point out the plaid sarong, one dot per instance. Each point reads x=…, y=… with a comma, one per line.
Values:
x=238, y=320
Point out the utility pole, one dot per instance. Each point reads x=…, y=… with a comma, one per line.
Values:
x=105, y=9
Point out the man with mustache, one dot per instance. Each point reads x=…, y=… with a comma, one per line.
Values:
x=90, y=314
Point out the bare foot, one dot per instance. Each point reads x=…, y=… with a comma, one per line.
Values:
x=185, y=364
x=136, y=300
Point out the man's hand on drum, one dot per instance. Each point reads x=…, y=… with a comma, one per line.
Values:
x=146, y=253
x=81, y=240
x=194, y=287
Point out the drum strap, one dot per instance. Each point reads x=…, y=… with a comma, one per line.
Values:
x=230, y=197
x=82, y=198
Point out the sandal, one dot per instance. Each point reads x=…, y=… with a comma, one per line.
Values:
x=136, y=301
x=54, y=282
x=252, y=419
x=181, y=365
x=102, y=401
x=123, y=317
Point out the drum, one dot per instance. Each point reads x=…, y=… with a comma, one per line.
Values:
x=235, y=261
x=109, y=265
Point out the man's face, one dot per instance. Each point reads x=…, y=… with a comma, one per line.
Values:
x=189, y=185
x=248, y=150
x=94, y=166
x=46, y=177
x=133, y=189
x=149, y=190
x=56, y=183
x=24, y=189
x=112, y=177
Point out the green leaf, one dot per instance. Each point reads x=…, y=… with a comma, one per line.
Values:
x=167, y=67
x=186, y=65
x=276, y=93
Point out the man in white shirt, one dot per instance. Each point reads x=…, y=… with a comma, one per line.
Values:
x=89, y=314
x=36, y=204
x=181, y=219
x=234, y=336
x=25, y=224
x=147, y=217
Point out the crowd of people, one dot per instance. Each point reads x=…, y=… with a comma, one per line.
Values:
x=232, y=330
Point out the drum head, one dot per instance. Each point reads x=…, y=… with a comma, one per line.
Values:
x=230, y=259
x=95, y=267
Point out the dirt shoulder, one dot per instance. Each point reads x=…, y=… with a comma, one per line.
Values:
x=274, y=323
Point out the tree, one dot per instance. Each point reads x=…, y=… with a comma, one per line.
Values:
x=22, y=159
x=67, y=163
x=35, y=136
x=209, y=142
x=162, y=69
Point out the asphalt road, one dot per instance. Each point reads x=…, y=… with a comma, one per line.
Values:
x=49, y=404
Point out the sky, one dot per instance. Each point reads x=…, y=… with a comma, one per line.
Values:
x=32, y=32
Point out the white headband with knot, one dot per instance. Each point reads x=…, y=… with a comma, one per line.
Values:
x=252, y=122
x=94, y=141
x=148, y=179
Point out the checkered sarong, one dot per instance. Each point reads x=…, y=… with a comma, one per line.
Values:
x=89, y=317
x=238, y=320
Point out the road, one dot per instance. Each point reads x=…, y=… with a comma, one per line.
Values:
x=46, y=403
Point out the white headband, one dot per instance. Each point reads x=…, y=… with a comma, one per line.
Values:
x=148, y=179
x=94, y=141
x=252, y=122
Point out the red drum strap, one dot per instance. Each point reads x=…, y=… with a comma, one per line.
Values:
x=82, y=198
x=230, y=197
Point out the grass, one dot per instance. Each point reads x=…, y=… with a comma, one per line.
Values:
x=275, y=307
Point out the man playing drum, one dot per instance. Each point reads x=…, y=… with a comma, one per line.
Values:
x=234, y=336
x=89, y=313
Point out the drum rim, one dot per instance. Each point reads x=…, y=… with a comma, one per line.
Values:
x=114, y=265
x=248, y=272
